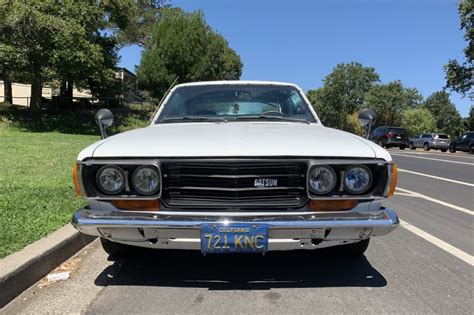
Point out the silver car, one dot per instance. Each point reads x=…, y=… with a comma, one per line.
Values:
x=428, y=141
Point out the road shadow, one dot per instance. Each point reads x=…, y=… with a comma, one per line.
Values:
x=297, y=269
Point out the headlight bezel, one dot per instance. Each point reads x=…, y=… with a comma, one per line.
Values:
x=379, y=168
x=89, y=170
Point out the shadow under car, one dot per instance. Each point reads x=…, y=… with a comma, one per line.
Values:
x=291, y=269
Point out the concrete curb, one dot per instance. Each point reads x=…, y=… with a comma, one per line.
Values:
x=22, y=269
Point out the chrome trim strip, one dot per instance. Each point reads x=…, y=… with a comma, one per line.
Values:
x=389, y=179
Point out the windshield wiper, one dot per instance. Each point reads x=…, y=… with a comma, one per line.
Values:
x=194, y=118
x=272, y=117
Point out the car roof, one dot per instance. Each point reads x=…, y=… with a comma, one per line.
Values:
x=237, y=82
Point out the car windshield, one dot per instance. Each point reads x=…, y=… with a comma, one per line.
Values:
x=219, y=102
x=397, y=130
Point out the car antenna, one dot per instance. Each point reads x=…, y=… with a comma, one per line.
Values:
x=163, y=98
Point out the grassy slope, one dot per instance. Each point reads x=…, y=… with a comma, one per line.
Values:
x=36, y=189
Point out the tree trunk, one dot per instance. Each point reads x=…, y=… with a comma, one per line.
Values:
x=69, y=93
x=62, y=93
x=69, y=90
x=62, y=89
x=7, y=85
x=36, y=93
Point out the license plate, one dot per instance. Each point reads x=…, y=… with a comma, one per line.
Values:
x=234, y=238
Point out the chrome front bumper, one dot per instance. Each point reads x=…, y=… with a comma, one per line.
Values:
x=287, y=231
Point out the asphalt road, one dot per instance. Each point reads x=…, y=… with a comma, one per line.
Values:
x=426, y=265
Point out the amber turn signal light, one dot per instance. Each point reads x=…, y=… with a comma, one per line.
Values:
x=332, y=205
x=393, y=184
x=137, y=205
x=75, y=178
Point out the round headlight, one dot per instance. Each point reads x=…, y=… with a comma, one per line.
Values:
x=322, y=179
x=146, y=180
x=110, y=179
x=357, y=179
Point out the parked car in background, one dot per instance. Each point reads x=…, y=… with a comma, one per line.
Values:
x=428, y=141
x=464, y=143
x=386, y=136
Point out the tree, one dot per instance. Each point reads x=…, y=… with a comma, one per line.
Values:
x=418, y=120
x=184, y=46
x=62, y=41
x=353, y=125
x=140, y=24
x=470, y=119
x=390, y=101
x=342, y=93
x=460, y=76
x=448, y=120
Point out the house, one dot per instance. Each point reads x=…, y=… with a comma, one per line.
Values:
x=22, y=92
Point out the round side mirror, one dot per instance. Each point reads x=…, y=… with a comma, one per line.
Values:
x=104, y=118
x=367, y=116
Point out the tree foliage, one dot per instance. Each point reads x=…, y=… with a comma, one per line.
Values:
x=56, y=41
x=418, y=120
x=447, y=118
x=141, y=22
x=390, y=101
x=342, y=93
x=460, y=76
x=184, y=46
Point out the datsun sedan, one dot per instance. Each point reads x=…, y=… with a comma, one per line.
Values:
x=234, y=167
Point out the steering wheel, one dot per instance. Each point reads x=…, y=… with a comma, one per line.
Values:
x=271, y=112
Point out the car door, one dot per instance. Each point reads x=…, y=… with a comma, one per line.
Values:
x=425, y=138
x=375, y=135
x=463, y=143
x=416, y=140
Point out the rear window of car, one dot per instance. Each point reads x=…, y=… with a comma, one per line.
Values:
x=441, y=137
x=397, y=130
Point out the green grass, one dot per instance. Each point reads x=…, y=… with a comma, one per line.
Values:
x=36, y=189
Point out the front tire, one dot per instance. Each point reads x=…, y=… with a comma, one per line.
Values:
x=426, y=147
x=471, y=149
x=116, y=249
x=412, y=147
x=352, y=250
x=444, y=150
x=452, y=149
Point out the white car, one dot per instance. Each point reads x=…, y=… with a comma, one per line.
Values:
x=230, y=167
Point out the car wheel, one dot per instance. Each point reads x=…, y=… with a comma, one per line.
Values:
x=402, y=147
x=452, y=149
x=411, y=146
x=352, y=250
x=116, y=249
x=426, y=147
x=471, y=149
x=444, y=150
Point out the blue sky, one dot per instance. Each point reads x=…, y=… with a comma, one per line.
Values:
x=300, y=41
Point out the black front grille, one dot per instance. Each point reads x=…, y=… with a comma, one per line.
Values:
x=233, y=184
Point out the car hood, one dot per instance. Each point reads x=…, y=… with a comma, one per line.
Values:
x=235, y=139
